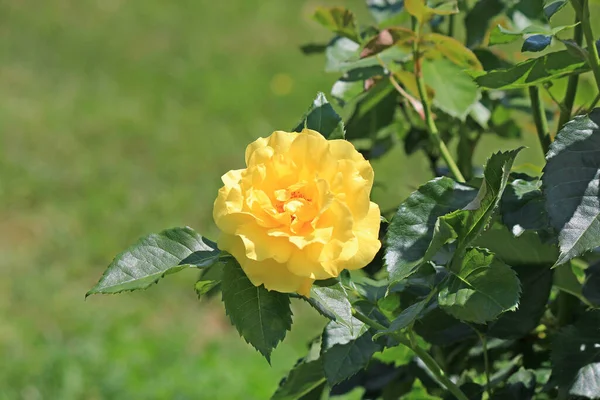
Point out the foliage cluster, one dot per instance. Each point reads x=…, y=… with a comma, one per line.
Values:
x=488, y=280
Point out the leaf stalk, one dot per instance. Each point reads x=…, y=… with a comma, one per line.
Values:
x=433, y=131
x=429, y=361
x=539, y=117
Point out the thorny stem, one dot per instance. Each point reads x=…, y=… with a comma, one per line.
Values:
x=429, y=361
x=567, y=104
x=433, y=131
x=539, y=117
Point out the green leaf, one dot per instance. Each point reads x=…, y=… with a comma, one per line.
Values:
x=344, y=55
x=262, y=317
x=478, y=20
x=302, y=379
x=527, y=249
x=523, y=206
x=552, y=8
x=373, y=112
x=441, y=329
x=482, y=289
x=500, y=35
x=467, y=224
x=155, y=256
x=209, y=279
x=536, y=43
x=397, y=355
x=338, y=20
x=566, y=281
x=576, y=357
x=341, y=361
x=591, y=286
x=423, y=10
x=436, y=46
x=536, y=283
x=455, y=91
x=383, y=10
x=404, y=319
x=532, y=72
x=410, y=233
x=520, y=385
x=332, y=302
x=321, y=117
x=571, y=183
x=419, y=391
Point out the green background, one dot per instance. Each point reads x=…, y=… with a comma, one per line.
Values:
x=117, y=118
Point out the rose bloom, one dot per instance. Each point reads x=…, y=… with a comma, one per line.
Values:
x=300, y=211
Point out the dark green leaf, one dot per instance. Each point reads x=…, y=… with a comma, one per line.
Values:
x=374, y=111
x=467, y=224
x=571, y=184
x=527, y=249
x=455, y=91
x=262, y=317
x=322, y=118
x=536, y=283
x=405, y=318
x=536, y=43
x=566, y=281
x=532, y=72
x=520, y=386
x=439, y=328
x=302, y=379
x=576, y=357
x=553, y=8
x=411, y=230
x=478, y=20
x=523, y=206
x=344, y=360
x=209, y=279
x=483, y=288
x=155, y=256
x=338, y=20
x=591, y=286
x=332, y=302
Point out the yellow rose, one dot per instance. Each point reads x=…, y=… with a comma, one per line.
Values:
x=300, y=211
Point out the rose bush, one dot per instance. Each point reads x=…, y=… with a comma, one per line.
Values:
x=489, y=278
x=299, y=211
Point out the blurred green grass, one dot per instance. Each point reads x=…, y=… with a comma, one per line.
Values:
x=117, y=118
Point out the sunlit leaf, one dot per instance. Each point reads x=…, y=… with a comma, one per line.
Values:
x=532, y=72
x=412, y=228
x=571, y=183
x=155, y=256
x=435, y=45
x=576, y=357
x=338, y=20
x=481, y=288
